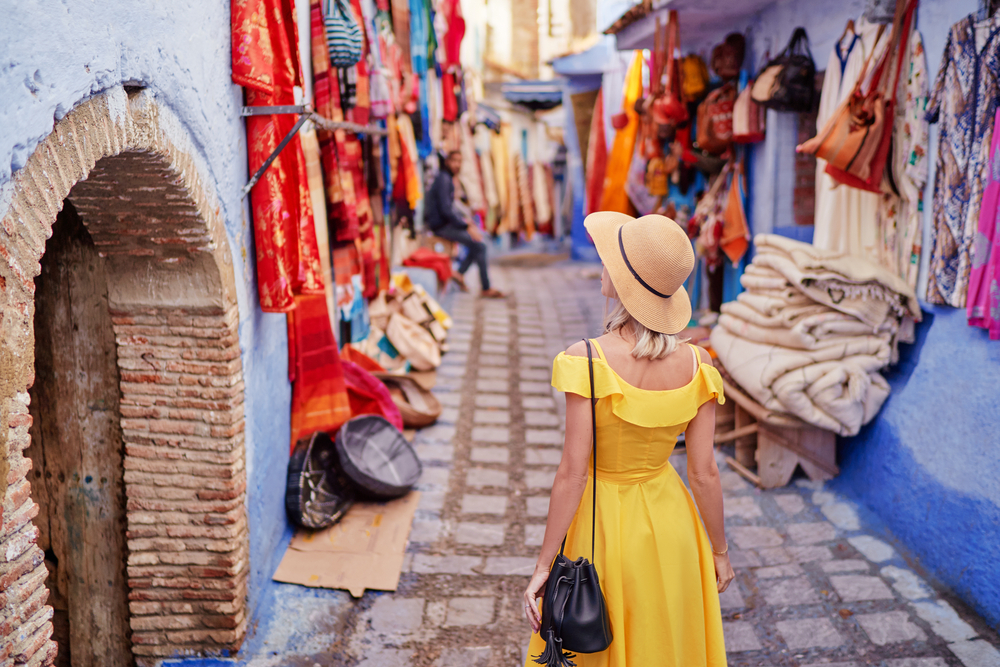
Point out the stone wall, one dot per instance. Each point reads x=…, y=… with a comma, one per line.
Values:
x=173, y=306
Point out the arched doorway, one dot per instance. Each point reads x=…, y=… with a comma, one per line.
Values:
x=157, y=396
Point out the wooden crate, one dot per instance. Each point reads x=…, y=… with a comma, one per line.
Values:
x=776, y=442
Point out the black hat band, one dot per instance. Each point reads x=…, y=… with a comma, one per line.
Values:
x=642, y=282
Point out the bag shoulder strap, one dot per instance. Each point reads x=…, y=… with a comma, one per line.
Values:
x=593, y=424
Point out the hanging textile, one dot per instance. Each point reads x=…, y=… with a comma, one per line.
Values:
x=965, y=98
x=469, y=175
x=614, y=197
x=319, y=393
x=311, y=150
x=486, y=169
x=899, y=218
x=596, y=157
x=540, y=195
x=451, y=13
x=265, y=63
x=983, y=307
x=498, y=149
x=845, y=217
x=341, y=203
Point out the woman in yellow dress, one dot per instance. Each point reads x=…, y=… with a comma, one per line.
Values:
x=660, y=572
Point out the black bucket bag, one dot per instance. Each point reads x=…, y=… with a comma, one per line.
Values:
x=788, y=83
x=574, y=612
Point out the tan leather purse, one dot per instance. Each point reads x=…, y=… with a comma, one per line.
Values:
x=855, y=141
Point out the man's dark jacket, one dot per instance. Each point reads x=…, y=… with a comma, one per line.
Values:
x=439, y=209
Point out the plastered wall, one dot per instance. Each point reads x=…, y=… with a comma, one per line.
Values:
x=55, y=55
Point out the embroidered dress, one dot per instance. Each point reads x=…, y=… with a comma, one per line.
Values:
x=984, y=289
x=653, y=558
x=899, y=218
x=965, y=98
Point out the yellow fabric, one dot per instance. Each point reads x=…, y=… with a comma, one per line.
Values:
x=652, y=555
x=614, y=197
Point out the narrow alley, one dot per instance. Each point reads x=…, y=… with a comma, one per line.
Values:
x=818, y=582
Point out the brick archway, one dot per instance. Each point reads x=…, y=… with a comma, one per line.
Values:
x=129, y=170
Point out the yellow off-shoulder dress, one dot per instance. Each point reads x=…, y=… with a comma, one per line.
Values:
x=652, y=555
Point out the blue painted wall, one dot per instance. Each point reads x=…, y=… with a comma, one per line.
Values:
x=55, y=55
x=928, y=464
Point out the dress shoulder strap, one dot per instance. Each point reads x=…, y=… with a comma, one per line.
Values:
x=696, y=361
x=600, y=352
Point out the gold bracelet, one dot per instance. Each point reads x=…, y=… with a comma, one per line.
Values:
x=723, y=552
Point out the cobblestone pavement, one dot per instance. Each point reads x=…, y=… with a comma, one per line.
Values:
x=813, y=585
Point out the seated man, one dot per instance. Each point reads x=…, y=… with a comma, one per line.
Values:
x=444, y=220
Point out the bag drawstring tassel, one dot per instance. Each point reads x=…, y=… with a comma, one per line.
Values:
x=553, y=655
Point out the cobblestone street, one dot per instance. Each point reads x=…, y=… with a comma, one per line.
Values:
x=814, y=584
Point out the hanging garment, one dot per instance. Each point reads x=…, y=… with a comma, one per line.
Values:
x=265, y=62
x=965, y=98
x=596, y=157
x=540, y=195
x=469, y=175
x=845, y=218
x=614, y=197
x=501, y=169
x=401, y=30
x=319, y=392
x=451, y=13
x=899, y=218
x=653, y=557
x=524, y=195
x=983, y=303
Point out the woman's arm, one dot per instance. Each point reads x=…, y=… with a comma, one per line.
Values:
x=567, y=490
x=706, y=487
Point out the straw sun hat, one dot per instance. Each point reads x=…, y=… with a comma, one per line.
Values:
x=648, y=259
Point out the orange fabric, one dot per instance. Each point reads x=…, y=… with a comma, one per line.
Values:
x=349, y=353
x=319, y=394
x=735, y=232
x=614, y=197
x=596, y=157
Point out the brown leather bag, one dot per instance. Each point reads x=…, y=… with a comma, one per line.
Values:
x=855, y=141
x=715, y=120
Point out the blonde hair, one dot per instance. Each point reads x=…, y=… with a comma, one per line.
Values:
x=649, y=344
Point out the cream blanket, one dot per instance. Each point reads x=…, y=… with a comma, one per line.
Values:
x=811, y=332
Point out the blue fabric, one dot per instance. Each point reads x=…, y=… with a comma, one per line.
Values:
x=424, y=147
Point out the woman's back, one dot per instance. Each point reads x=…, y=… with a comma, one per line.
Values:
x=637, y=426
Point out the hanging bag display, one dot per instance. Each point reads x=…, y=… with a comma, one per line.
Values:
x=668, y=106
x=788, y=83
x=735, y=238
x=715, y=120
x=574, y=611
x=855, y=141
x=694, y=77
x=343, y=35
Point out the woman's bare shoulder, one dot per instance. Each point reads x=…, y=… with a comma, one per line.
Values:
x=579, y=348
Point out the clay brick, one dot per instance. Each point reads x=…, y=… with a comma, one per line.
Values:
x=141, y=623
x=19, y=517
x=19, y=420
x=18, y=469
x=14, y=546
x=11, y=571
x=18, y=494
x=148, y=638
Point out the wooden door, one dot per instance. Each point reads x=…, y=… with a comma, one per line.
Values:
x=76, y=451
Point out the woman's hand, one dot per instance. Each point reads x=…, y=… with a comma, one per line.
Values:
x=531, y=611
x=723, y=571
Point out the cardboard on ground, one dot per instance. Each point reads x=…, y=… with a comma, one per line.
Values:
x=364, y=550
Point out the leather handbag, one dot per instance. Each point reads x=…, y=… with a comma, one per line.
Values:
x=715, y=120
x=667, y=106
x=748, y=119
x=855, y=141
x=694, y=77
x=343, y=35
x=788, y=83
x=574, y=611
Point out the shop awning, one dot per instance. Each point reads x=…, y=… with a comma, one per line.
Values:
x=700, y=21
x=534, y=94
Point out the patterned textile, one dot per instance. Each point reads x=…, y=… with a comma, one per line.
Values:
x=319, y=393
x=965, y=98
x=984, y=288
x=899, y=218
x=265, y=62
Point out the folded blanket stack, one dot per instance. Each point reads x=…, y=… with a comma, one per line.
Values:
x=812, y=330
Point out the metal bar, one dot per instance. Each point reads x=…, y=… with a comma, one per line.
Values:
x=327, y=124
x=273, y=111
x=273, y=155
